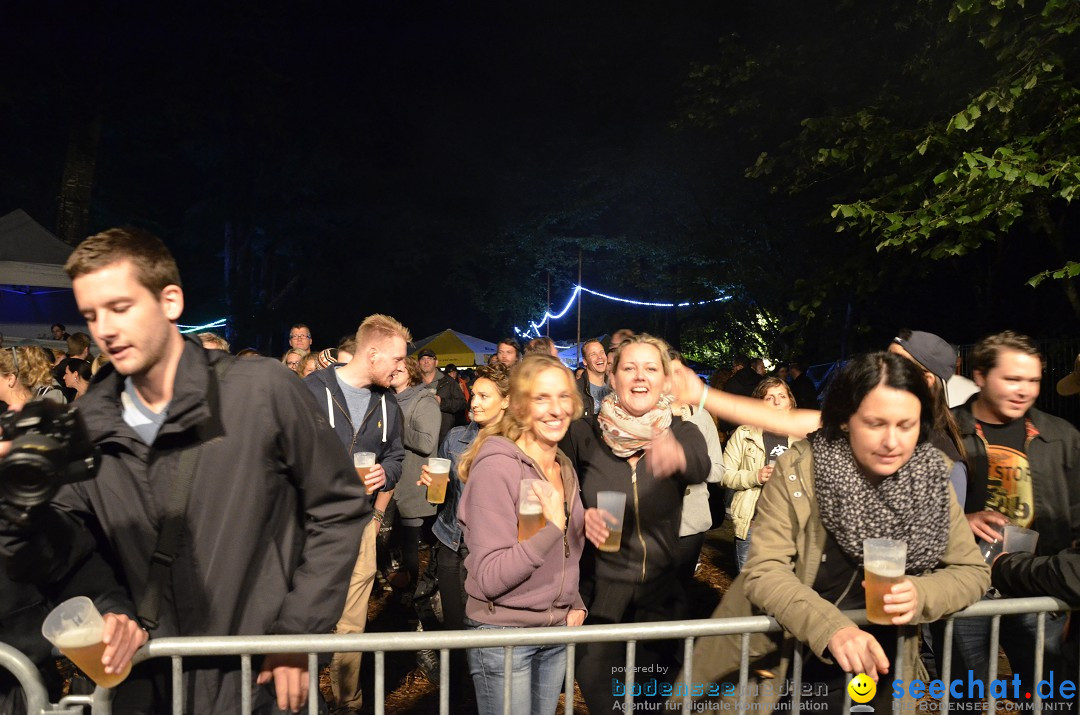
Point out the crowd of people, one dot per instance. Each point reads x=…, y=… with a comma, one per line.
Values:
x=244, y=495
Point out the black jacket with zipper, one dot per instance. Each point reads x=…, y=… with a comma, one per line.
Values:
x=653, y=506
x=380, y=431
x=1054, y=457
x=273, y=521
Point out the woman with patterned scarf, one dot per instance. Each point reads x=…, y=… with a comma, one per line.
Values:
x=638, y=448
x=869, y=472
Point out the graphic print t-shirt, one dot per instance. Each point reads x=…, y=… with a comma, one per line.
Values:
x=1009, y=479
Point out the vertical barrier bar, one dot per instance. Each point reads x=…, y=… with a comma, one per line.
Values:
x=995, y=631
x=1040, y=642
x=946, y=668
x=796, y=680
x=847, y=701
x=568, y=698
x=380, y=684
x=177, y=686
x=744, y=667
x=18, y=664
x=688, y=670
x=444, y=681
x=631, y=660
x=898, y=664
x=313, y=683
x=245, y=684
x=508, y=669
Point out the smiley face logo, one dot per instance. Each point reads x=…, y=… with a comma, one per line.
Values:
x=862, y=688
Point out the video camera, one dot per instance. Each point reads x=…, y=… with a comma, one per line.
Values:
x=50, y=447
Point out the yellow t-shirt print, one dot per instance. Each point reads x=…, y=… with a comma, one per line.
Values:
x=1009, y=485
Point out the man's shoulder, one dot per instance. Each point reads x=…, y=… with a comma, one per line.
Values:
x=1054, y=427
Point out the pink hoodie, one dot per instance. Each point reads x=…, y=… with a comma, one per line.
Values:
x=532, y=583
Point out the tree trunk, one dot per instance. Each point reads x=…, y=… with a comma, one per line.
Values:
x=77, y=185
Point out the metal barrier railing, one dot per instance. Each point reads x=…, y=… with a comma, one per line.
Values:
x=176, y=649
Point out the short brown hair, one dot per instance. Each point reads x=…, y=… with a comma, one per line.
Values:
x=379, y=327
x=985, y=355
x=155, y=268
x=769, y=383
x=77, y=342
x=543, y=346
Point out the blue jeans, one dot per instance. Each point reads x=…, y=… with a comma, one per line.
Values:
x=536, y=679
x=971, y=646
x=742, y=550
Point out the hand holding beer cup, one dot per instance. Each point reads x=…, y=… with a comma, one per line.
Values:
x=890, y=596
x=438, y=475
x=371, y=474
x=603, y=523
x=551, y=503
x=425, y=476
x=101, y=647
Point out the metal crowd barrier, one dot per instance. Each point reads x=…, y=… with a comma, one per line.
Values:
x=176, y=649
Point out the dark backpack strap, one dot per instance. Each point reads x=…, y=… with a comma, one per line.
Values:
x=172, y=523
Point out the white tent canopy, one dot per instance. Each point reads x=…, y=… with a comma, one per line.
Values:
x=29, y=255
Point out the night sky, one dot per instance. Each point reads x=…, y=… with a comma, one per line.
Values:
x=318, y=162
x=363, y=145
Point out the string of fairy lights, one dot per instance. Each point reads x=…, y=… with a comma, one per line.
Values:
x=533, y=326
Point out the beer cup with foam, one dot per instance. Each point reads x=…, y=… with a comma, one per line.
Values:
x=531, y=517
x=364, y=463
x=884, y=561
x=76, y=628
x=439, y=471
x=614, y=503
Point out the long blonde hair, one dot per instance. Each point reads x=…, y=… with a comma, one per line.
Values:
x=515, y=420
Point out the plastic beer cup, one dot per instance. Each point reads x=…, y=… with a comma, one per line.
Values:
x=76, y=628
x=614, y=503
x=364, y=463
x=1017, y=538
x=531, y=517
x=439, y=471
x=884, y=561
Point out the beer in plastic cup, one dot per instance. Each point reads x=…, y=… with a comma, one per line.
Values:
x=1017, y=538
x=364, y=463
x=991, y=549
x=531, y=517
x=614, y=503
x=439, y=471
x=76, y=628
x=883, y=565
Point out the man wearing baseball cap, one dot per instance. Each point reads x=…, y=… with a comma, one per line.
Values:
x=1070, y=384
x=447, y=392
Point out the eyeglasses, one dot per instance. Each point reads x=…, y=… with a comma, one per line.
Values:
x=299, y=335
x=293, y=365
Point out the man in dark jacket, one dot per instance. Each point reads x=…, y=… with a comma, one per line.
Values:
x=274, y=511
x=366, y=418
x=593, y=382
x=802, y=387
x=1024, y=469
x=452, y=403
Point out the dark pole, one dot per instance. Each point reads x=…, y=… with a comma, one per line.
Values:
x=579, y=306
